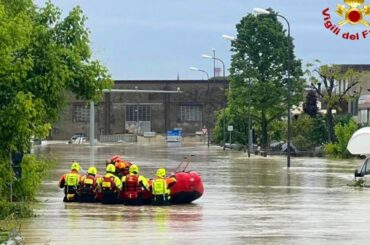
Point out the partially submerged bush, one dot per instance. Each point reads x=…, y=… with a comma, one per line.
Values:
x=25, y=189
x=33, y=171
x=15, y=210
x=343, y=133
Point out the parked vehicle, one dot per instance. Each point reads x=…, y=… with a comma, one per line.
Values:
x=78, y=138
x=358, y=145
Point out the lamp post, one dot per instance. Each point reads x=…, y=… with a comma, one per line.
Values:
x=207, y=124
x=250, y=131
x=205, y=56
x=137, y=119
x=264, y=11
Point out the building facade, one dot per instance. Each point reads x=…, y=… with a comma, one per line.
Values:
x=138, y=112
x=358, y=105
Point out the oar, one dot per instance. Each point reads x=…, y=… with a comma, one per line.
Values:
x=187, y=164
x=178, y=166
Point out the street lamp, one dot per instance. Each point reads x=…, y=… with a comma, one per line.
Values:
x=261, y=11
x=250, y=132
x=206, y=56
x=264, y=11
x=228, y=38
x=192, y=68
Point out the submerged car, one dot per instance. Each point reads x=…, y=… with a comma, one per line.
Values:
x=364, y=169
x=78, y=138
x=358, y=145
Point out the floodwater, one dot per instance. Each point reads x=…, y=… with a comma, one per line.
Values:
x=246, y=201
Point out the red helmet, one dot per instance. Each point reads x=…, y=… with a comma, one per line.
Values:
x=115, y=158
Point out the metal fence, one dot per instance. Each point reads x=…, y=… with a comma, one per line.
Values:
x=129, y=138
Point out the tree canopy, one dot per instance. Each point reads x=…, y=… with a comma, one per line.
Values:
x=42, y=56
x=335, y=82
x=262, y=52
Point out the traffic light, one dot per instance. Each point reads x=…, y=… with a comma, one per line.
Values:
x=17, y=164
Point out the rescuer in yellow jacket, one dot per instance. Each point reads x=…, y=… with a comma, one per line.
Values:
x=88, y=186
x=110, y=185
x=133, y=186
x=161, y=187
x=70, y=183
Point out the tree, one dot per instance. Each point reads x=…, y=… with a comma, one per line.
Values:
x=258, y=70
x=308, y=132
x=42, y=56
x=235, y=118
x=332, y=78
x=310, y=105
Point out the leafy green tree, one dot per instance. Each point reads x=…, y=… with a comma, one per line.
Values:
x=235, y=118
x=42, y=56
x=258, y=70
x=278, y=130
x=331, y=78
x=319, y=134
x=308, y=132
x=343, y=133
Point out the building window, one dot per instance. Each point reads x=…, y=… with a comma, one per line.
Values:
x=354, y=107
x=136, y=113
x=189, y=113
x=81, y=113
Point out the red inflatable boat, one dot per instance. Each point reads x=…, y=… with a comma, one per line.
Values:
x=189, y=187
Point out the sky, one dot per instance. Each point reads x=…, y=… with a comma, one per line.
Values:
x=161, y=39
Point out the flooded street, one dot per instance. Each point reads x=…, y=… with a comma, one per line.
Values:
x=246, y=201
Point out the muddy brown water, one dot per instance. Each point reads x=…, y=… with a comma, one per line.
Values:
x=246, y=201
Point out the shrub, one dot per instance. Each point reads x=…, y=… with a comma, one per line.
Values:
x=33, y=171
x=15, y=210
x=24, y=189
x=343, y=133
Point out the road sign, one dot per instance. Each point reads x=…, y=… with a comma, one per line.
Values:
x=204, y=130
x=230, y=128
x=174, y=135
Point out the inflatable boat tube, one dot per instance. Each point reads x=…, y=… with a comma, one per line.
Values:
x=188, y=188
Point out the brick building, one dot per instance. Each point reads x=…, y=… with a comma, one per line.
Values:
x=137, y=112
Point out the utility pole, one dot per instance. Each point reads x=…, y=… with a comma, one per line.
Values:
x=92, y=123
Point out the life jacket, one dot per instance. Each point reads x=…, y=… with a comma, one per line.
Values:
x=70, y=186
x=108, y=183
x=132, y=187
x=88, y=184
x=159, y=187
x=72, y=179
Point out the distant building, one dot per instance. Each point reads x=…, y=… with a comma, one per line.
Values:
x=136, y=113
x=358, y=97
x=358, y=104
